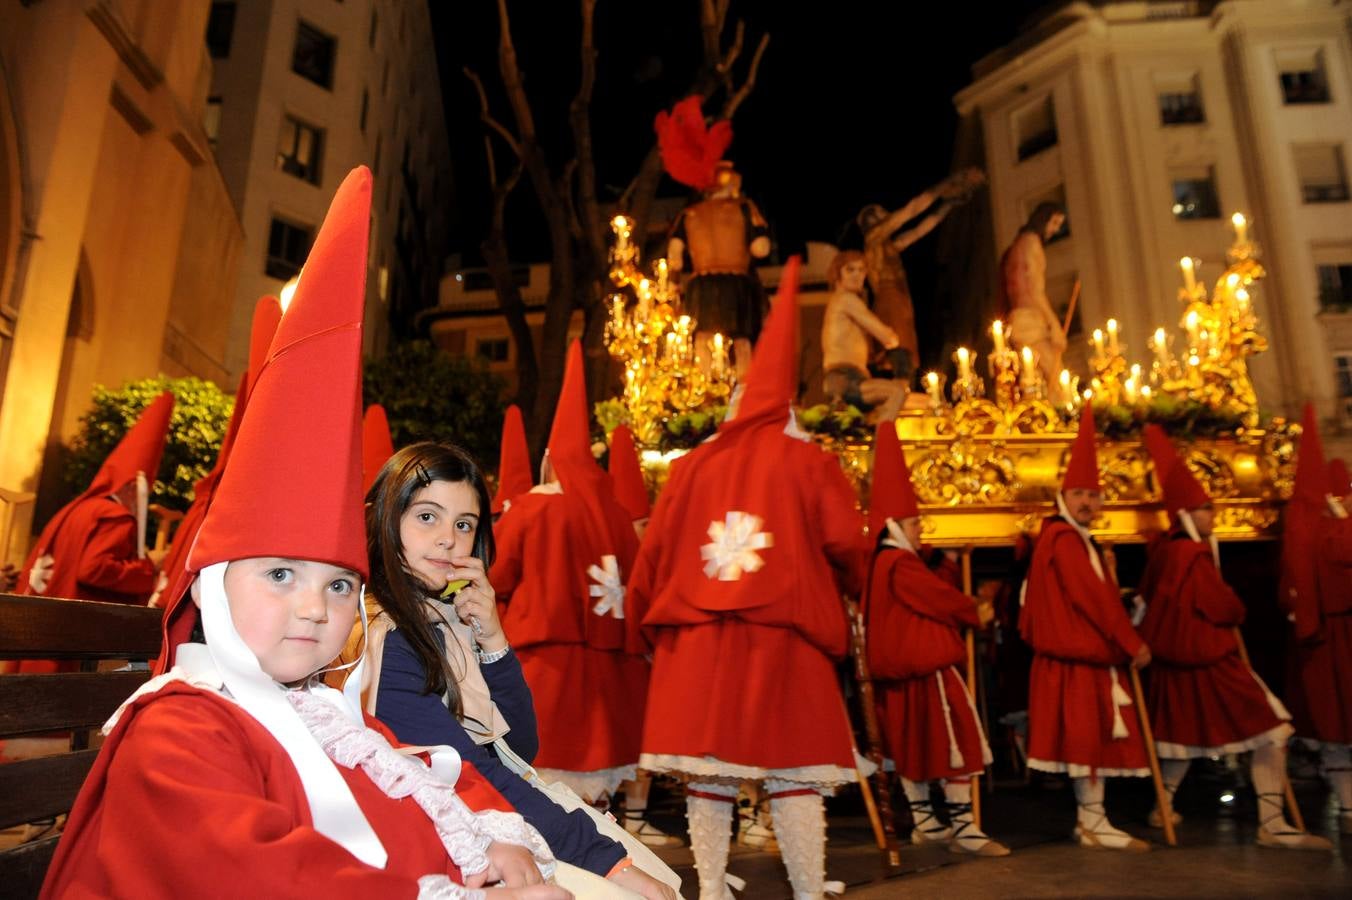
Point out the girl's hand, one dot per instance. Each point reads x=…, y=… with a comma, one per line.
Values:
x=535, y=892
x=476, y=601
x=640, y=882
x=511, y=864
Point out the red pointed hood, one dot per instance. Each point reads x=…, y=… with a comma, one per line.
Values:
x=892, y=496
x=139, y=451
x=772, y=381
x=514, y=470
x=267, y=316
x=1161, y=451
x=1338, y=479
x=292, y=482
x=627, y=474
x=1082, y=468
x=376, y=445
x=1179, y=488
x=1311, y=483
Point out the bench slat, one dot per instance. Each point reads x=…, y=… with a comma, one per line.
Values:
x=33, y=789
x=33, y=704
x=44, y=628
x=23, y=868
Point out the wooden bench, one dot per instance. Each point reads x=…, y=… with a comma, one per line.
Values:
x=32, y=790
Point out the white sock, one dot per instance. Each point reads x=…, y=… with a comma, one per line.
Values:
x=710, y=822
x=959, y=797
x=1266, y=771
x=1173, y=771
x=800, y=828
x=1336, y=760
x=922, y=814
x=1092, y=816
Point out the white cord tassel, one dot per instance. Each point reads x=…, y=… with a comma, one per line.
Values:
x=1120, y=699
x=954, y=754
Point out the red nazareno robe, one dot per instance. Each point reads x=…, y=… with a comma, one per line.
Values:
x=191, y=797
x=1203, y=698
x=1080, y=714
x=745, y=631
x=1320, y=682
x=914, y=623
x=93, y=554
x=589, y=692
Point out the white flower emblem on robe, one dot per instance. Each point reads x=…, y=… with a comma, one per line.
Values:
x=734, y=545
x=608, y=587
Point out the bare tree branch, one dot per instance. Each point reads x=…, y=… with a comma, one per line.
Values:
x=737, y=98
x=487, y=118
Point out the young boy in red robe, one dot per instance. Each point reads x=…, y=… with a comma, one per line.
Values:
x=737, y=587
x=565, y=549
x=1316, y=592
x=1080, y=716
x=514, y=475
x=236, y=771
x=914, y=624
x=1204, y=700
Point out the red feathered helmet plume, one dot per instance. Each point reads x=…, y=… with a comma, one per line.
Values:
x=690, y=149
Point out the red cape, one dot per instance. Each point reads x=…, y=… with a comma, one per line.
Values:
x=190, y=796
x=914, y=618
x=1191, y=612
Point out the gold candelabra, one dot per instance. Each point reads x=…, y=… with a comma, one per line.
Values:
x=666, y=373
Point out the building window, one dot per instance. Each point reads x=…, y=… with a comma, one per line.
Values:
x=1335, y=286
x=493, y=350
x=365, y=106
x=1342, y=372
x=1319, y=168
x=1035, y=128
x=1180, y=100
x=300, y=149
x=220, y=30
x=288, y=245
x=211, y=120
x=1195, y=194
x=312, y=57
x=1303, y=76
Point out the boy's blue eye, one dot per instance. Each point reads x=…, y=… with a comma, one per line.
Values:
x=278, y=576
x=342, y=586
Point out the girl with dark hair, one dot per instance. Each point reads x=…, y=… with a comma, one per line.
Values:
x=442, y=671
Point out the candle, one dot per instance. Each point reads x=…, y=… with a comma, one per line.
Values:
x=963, y=357
x=1189, y=277
x=1098, y=342
x=1146, y=392
x=1241, y=227
x=932, y=388
x=1112, y=337
x=720, y=357
x=998, y=333
x=1190, y=325
x=1129, y=386
x=1065, y=379
x=1029, y=371
x=1161, y=347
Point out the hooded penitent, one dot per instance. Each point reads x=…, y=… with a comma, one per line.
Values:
x=892, y=495
x=52, y=567
x=514, y=475
x=292, y=489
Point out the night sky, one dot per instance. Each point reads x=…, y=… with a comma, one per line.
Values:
x=853, y=104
